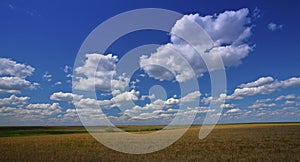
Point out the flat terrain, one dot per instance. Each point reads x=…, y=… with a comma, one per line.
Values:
x=236, y=142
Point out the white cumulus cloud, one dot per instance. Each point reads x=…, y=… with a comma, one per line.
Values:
x=61, y=96
x=99, y=72
x=233, y=110
x=258, y=82
x=264, y=85
x=12, y=68
x=228, y=30
x=15, y=84
x=13, y=76
x=52, y=106
x=14, y=100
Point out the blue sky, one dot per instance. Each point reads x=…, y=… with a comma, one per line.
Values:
x=40, y=40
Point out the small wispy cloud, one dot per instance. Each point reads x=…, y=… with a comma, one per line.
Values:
x=11, y=6
x=272, y=26
x=24, y=10
x=67, y=69
x=58, y=83
x=47, y=76
x=256, y=13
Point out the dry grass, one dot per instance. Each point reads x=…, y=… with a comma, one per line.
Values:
x=246, y=142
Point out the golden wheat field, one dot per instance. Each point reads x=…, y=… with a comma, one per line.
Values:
x=236, y=142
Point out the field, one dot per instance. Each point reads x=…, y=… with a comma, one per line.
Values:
x=235, y=142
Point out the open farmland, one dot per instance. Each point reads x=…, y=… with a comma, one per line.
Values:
x=236, y=142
